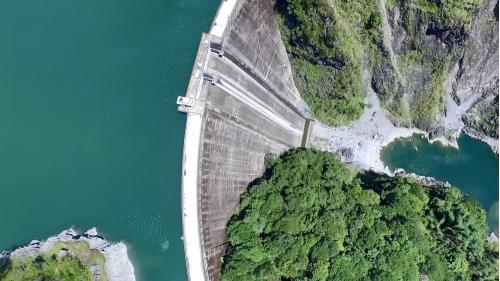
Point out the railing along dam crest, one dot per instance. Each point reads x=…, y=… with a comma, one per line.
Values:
x=241, y=104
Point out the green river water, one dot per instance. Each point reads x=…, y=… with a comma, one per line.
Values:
x=90, y=136
x=473, y=167
x=89, y=132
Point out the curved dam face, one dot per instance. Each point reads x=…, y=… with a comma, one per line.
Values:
x=241, y=104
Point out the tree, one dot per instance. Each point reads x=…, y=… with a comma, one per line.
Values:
x=312, y=218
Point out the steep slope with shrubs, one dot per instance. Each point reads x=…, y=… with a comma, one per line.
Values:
x=327, y=41
x=432, y=63
x=445, y=49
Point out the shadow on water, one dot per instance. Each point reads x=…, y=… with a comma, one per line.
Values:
x=473, y=167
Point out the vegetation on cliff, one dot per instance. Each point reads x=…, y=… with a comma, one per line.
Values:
x=332, y=43
x=483, y=116
x=326, y=43
x=450, y=17
x=429, y=36
x=312, y=218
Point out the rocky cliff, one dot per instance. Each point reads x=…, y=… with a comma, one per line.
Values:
x=443, y=77
x=373, y=71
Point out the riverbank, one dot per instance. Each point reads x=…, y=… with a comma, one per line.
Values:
x=117, y=266
x=473, y=168
x=361, y=142
x=492, y=142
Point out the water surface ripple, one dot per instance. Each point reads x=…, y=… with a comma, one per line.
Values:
x=89, y=132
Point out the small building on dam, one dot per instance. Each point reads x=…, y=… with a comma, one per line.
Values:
x=241, y=104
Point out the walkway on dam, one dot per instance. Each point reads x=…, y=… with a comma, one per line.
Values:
x=219, y=87
x=242, y=105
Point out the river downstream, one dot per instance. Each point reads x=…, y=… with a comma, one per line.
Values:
x=89, y=133
x=473, y=167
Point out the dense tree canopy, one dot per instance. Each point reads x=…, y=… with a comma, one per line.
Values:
x=326, y=44
x=312, y=218
x=44, y=268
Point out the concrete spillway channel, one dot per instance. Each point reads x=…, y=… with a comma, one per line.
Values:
x=241, y=104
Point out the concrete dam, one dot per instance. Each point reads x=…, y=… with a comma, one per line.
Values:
x=241, y=104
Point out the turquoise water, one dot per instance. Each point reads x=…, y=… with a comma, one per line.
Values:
x=473, y=167
x=89, y=133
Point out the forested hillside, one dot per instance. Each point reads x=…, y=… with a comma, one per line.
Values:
x=312, y=218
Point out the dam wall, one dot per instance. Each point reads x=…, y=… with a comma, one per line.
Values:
x=253, y=37
x=241, y=104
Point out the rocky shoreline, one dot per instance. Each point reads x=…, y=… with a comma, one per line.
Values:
x=117, y=264
x=361, y=142
x=427, y=181
x=492, y=142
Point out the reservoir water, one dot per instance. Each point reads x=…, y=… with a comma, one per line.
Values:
x=473, y=167
x=89, y=132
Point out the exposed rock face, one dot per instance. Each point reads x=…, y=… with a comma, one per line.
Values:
x=477, y=77
x=118, y=266
x=492, y=238
x=438, y=76
x=481, y=120
x=478, y=66
x=427, y=181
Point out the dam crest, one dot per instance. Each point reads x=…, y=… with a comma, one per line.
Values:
x=241, y=104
